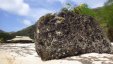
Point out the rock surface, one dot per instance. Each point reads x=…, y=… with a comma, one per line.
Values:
x=24, y=53
x=69, y=34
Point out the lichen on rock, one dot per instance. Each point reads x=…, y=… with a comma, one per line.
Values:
x=69, y=34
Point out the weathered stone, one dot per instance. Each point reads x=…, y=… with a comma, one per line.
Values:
x=68, y=34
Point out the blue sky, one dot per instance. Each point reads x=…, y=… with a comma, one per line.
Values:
x=18, y=14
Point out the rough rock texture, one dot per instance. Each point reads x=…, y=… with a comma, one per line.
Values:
x=110, y=33
x=68, y=34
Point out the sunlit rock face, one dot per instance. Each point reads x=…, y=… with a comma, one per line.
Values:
x=69, y=34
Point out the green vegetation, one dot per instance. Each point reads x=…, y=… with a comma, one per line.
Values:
x=1, y=40
x=108, y=17
x=83, y=9
x=29, y=31
x=5, y=36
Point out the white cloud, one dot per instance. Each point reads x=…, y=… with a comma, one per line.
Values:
x=63, y=2
x=37, y=13
x=91, y=3
x=15, y=6
x=27, y=22
x=98, y=5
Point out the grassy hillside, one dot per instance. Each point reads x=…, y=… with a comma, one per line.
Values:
x=4, y=36
x=1, y=31
x=29, y=31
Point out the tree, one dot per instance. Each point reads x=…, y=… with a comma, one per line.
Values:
x=107, y=16
x=83, y=9
x=5, y=36
x=1, y=40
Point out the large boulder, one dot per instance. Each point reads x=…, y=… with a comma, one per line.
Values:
x=68, y=34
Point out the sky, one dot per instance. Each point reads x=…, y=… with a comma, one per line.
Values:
x=18, y=14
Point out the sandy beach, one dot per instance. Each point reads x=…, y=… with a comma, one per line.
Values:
x=25, y=54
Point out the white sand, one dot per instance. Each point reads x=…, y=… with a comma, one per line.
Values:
x=25, y=54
